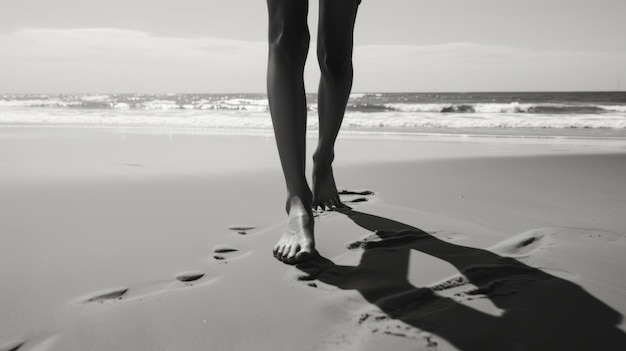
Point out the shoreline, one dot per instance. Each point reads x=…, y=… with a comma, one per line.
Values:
x=485, y=133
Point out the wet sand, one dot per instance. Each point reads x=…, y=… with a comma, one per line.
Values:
x=144, y=239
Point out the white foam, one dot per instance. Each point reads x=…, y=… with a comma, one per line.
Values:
x=484, y=120
x=616, y=108
x=96, y=98
x=38, y=103
x=121, y=106
x=160, y=105
x=417, y=107
x=164, y=114
x=512, y=107
x=357, y=95
x=235, y=104
x=140, y=118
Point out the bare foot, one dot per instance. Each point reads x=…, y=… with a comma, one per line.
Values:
x=325, y=194
x=297, y=243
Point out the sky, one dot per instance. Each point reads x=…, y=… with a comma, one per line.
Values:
x=219, y=46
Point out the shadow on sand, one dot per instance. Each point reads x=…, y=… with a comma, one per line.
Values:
x=541, y=311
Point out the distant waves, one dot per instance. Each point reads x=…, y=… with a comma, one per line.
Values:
x=378, y=111
x=366, y=103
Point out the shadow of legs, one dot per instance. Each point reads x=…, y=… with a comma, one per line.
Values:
x=541, y=311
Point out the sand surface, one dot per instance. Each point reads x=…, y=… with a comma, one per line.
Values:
x=134, y=239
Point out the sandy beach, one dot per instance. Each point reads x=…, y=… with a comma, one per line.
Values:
x=148, y=239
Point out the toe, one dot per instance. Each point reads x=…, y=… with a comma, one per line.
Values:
x=280, y=252
x=284, y=255
x=291, y=257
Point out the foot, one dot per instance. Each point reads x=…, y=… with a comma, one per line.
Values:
x=325, y=194
x=297, y=243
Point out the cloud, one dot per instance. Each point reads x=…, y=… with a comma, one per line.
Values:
x=131, y=61
x=116, y=60
x=473, y=67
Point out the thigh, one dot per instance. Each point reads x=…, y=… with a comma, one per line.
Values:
x=281, y=11
x=336, y=24
x=287, y=24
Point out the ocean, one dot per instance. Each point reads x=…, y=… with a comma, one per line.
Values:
x=545, y=114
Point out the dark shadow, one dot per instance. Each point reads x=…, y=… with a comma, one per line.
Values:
x=541, y=311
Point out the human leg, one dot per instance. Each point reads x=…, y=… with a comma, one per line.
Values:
x=288, y=48
x=334, y=52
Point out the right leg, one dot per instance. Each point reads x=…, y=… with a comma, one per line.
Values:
x=288, y=48
x=334, y=52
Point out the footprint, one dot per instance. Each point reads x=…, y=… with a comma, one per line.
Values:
x=525, y=243
x=111, y=295
x=350, y=192
x=355, y=197
x=148, y=289
x=389, y=239
x=189, y=276
x=223, y=252
x=453, y=282
x=357, y=200
x=241, y=229
x=346, y=197
x=223, y=249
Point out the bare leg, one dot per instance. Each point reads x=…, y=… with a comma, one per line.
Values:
x=335, y=43
x=288, y=48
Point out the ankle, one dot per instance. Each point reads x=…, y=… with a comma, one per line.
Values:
x=322, y=162
x=303, y=202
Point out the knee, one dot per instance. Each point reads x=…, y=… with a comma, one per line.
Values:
x=335, y=63
x=289, y=40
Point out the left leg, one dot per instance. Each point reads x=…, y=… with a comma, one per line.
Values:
x=334, y=53
x=288, y=48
